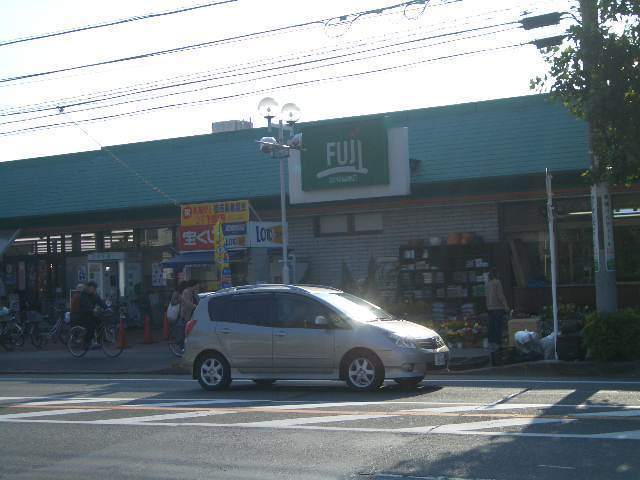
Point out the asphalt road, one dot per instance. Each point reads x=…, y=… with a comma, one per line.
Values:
x=74, y=427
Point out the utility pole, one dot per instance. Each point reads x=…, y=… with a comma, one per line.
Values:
x=601, y=207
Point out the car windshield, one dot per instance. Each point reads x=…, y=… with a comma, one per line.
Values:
x=355, y=307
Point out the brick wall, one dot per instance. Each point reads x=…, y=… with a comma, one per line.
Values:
x=325, y=254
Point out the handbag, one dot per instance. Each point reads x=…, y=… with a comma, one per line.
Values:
x=173, y=312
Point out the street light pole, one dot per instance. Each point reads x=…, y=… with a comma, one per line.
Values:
x=280, y=150
x=283, y=214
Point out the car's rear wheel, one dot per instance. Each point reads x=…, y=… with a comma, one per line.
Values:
x=409, y=382
x=364, y=371
x=264, y=382
x=213, y=372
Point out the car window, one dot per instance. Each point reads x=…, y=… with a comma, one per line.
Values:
x=220, y=310
x=298, y=312
x=253, y=309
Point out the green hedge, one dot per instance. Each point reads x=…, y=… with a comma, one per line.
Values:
x=613, y=336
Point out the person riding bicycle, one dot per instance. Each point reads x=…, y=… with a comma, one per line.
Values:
x=89, y=299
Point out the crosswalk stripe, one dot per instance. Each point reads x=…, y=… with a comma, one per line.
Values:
x=222, y=401
x=46, y=413
x=479, y=408
x=290, y=422
x=74, y=401
x=612, y=413
x=294, y=406
x=471, y=426
x=156, y=418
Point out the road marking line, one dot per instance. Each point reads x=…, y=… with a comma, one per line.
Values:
x=75, y=400
x=557, y=466
x=45, y=413
x=321, y=405
x=470, y=426
x=630, y=435
x=385, y=476
x=196, y=402
x=290, y=422
x=612, y=413
x=635, y=435
x=479, y=408
x=155, y=418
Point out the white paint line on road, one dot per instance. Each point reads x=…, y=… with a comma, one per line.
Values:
x=471, y=426
x=560, y=467
x=388, y=476
x=221, y=401
x=289, y=422
x=632, y=436
x=156, y=418
x=612, y=413
x=299, y=406
x=74, y=401
x=568, y=381
x=480, y=408
x=45, y=413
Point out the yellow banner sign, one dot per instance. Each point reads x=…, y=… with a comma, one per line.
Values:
x=211, y=213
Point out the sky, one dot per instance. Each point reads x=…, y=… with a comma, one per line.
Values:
x=231, y=78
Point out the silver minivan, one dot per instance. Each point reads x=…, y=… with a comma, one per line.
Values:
x=269, y=332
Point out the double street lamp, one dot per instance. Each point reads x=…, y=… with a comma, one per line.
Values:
x=290, y=113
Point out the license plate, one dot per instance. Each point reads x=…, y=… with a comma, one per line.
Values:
x=439, y=360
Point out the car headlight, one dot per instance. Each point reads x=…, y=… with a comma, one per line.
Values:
x=402, y=342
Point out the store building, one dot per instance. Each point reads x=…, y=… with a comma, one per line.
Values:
x=469, y=175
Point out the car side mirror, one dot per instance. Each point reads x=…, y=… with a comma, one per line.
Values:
x=321, y=321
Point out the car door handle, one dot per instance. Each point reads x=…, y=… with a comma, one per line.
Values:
x=226, y=331
x=280, y=334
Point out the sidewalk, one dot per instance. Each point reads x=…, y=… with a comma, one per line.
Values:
x=156, y=358
x=138, y=358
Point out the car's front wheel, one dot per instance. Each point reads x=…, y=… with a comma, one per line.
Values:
x=213, y=372
x=364, y=371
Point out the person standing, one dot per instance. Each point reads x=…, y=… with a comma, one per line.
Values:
x=188, y=301
x=497, y=308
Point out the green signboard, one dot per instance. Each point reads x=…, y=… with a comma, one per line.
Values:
x=349, y=154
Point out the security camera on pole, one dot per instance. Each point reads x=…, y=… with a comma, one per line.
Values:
x=278, y=149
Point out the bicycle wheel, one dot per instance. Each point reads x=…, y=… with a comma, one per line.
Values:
x=76, y=344
x=109, y=341
x=37, y=338
x=16, y=335
x=175, y=344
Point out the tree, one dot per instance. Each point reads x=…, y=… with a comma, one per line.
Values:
x=596, y=75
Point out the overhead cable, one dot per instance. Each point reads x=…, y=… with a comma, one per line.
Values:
x=205, y=44
x=269, y=89
x=111, y=23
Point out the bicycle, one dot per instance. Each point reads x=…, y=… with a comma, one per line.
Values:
x=106, y=335
x=10, y=332
x=176, y=338
x=59, y=331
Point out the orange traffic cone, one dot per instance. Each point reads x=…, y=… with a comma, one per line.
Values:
x=122, y=339
x=147, y=330
x=165, y=326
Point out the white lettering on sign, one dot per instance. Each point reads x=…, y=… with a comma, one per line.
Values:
x=344, y=157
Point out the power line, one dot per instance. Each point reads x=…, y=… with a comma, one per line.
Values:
x=269, y=89
x=202, y=77
x=289, y=72
x=113, y=22
x=194, y=46
x=206, y=75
